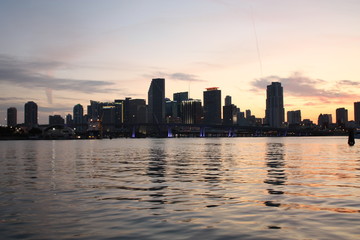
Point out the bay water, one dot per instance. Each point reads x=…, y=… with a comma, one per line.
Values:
x=180, y=188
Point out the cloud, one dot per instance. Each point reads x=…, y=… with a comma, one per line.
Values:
x=176, y=76
x=26, y=74
x=304, y=87
x=348, y=83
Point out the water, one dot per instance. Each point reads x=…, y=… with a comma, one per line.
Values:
x=193, y=188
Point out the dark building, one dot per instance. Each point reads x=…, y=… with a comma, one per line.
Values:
x=136, y=110
x=119, y=112
x=357, y=112
x=294, y=117
x=212, y=106
x=227, y=100
x=31, y=114
x=171, y=110
x=178, y=98
x=56, y=120
x=156, y=101
x=230, y=112
x=324, y=120
x=192, y=111
x=274, y=113
x=78, y=113
x=69, y=120
x=93, y=110
x=341, y=117
x=108, y=118
x=11, y=117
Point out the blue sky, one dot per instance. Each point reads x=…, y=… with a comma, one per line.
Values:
x=60, y=53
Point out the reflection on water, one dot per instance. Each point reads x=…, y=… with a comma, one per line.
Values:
x=215, y=188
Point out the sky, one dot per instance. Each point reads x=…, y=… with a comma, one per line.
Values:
x=61, y=53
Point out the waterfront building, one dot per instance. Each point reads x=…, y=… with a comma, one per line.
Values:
x=179, y=97
x=294, y=117
x=324, y=120
x=274, y=113
x=357, y=112
x=78, y=113
x=212, y=106
x=11, y=117
x=230, y=112
x=341, y=116
x=119, y=112
x=31, y=114
x=108, y=118
x=136, y=110
x=69, y=120
x=192, y=111
x=56, y=120
x=171, y=109
x=156, y=101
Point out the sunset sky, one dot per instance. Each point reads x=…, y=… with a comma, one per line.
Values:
x=61, y=53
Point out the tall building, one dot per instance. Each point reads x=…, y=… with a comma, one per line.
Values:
x=31, y=114
x=11, y=117
x=341, y=116
x=136, y=110
x=78, y=113
x=325, y=120
x=212, y=106
x=227, y=100
x=230, y=112
x=294, y=117
x=357, y=112
x=156, y=101
x=274, y=113
x=192, y=111
x=179, y=97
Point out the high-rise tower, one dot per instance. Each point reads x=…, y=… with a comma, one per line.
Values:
x=212, y=106
x=156, y=101
x=11, y=117
x=31, y=114
x=357, y=112
x=274, y=113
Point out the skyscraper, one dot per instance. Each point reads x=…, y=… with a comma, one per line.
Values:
x=11, y=117
x=31, y=114
x=341, y=116
x=156, y=101
x=274, y=113
x=212, y=106
x=179, y=97
x=357, y=112
x=78, y=113
x=192, y=111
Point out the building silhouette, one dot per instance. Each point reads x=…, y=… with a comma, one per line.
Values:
x=31, y=114
x=324, y=120
x=357, y=112
x=69, y=120
x=11, y=117
x=230, y=112
x=179, y=97
x=341, y=116
x=294, y=117
x=78, y=120
x=56, y=120
x=274, y=113
x=192, y=111
x=212, y=106
x=156, y=101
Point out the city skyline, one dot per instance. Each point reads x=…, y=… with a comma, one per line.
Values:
x=58, y=54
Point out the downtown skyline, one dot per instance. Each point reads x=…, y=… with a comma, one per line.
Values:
x=58, y=54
